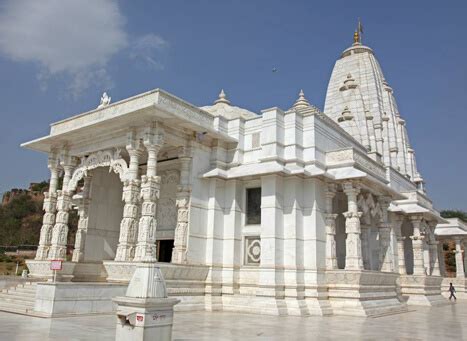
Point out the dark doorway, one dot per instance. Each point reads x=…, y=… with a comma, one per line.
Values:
x=164, y=250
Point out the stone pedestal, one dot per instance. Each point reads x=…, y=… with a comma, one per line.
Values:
x=363, y=293
x=422, y=290
x=145, y=312
x=40, y=269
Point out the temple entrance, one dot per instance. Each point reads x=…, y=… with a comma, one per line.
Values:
x=164, y=250
x=105, y=215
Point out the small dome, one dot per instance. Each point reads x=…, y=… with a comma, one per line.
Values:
x=301, y=101
x=222, y=98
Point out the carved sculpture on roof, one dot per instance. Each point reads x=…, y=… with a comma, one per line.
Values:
x=105, y=100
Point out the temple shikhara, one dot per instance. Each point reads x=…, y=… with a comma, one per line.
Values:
x=284, y=212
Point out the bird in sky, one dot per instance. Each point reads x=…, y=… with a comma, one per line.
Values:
x=274, y=69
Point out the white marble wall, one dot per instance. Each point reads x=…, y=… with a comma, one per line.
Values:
x=105, y=214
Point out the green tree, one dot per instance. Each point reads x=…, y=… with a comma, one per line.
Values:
x=462, y=215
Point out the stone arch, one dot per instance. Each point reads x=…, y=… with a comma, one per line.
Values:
x=104, y=158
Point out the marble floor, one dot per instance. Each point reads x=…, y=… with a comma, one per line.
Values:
x=440, y=323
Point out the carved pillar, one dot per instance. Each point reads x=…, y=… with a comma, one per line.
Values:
x=183, y=210
x=60, y=229
x=386, y=256
x=459, y=259
x=365, y=246
x=397, y=225
x=433, y=250
x=50, y=208
x=442, y=263
x=353, y=245
x=436, y=258
x=131, y=195
x=150, y=189
x=417, y=244
x=83, y=212
x=330, y=217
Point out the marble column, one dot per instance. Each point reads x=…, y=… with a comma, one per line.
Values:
x=353, y=245
x=83, y=213
x=442, y=264
x=417, y=244
x=365, y=246
x=183, y=209
x=150, y=189
x=386, y=255
x=60, y=229
x=465, y=257
x=50, y=208
x=330, y=218
x=459, y=259
x=436, y=259
x=433, y=249
x=397, y=226
x=131, y=197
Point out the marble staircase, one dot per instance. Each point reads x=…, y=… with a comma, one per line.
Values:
x=19, y=299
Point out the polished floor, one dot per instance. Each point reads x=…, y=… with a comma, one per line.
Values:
x=440, y=323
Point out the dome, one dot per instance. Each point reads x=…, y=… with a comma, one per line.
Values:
x=223, y=107
x=360, y=99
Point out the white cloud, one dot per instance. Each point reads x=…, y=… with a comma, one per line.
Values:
x=145, y=47
x=75, y=38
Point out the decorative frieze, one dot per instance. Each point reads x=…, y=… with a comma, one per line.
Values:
x=350, y=156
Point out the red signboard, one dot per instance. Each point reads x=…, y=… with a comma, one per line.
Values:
x=55, y=265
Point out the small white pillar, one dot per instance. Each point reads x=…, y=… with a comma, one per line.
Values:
x=459, y=259
x=145, y=312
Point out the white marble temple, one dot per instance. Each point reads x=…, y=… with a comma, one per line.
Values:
x=283, y=212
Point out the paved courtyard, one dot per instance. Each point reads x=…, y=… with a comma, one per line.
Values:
x=440, y=323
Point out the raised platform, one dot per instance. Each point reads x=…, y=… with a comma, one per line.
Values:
x=363, y=293
x=70, y=298
x=422, y=290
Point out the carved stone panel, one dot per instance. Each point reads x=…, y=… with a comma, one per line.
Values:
x=166, y=206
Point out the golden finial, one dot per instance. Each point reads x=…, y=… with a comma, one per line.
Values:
x=356, y=37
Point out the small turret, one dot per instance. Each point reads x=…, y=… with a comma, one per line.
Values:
x=222, y=98
x=301, y=101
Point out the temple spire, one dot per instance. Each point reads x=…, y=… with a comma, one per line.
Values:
x=222, y=98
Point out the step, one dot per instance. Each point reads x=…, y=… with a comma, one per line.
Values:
x=24, y=290
x=19, y=292
x=19, y=296
x=17, y=301
x=14, y=307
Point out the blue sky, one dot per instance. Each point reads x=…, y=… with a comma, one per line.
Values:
x=56, y=59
